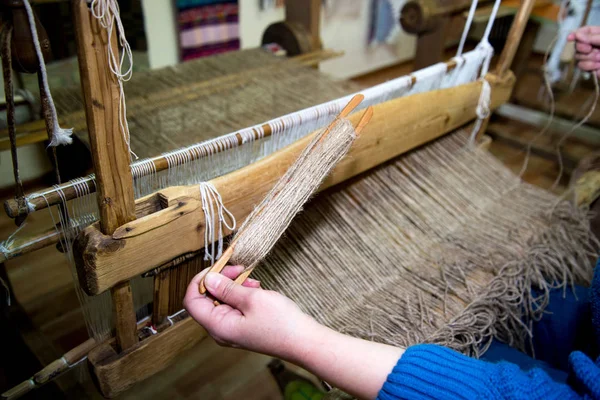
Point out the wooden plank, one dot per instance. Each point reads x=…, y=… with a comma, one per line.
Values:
x=409, y=122
x=115, y=372
x=110, y=153
x=160, y=306
x=514, y=37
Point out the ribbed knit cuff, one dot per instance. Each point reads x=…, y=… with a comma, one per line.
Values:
x=434, y=372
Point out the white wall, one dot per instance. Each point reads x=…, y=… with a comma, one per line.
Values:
x=161, y=32
x=33, y=164
x=347, y=35
x=351, y=36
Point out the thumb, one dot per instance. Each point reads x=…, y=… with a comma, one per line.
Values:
x=227, y=291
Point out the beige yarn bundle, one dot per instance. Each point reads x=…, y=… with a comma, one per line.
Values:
x=273, y=215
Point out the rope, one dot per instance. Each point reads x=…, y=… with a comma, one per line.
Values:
x=58, y=135
x=467, y=28
x=485, y=98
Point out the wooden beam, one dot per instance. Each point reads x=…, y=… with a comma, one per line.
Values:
x=110, y=153
x=115, y=373
x=514, y=37
x=306, y=13
x=103, y=260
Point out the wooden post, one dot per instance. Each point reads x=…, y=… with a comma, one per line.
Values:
x=307, y=14
x=110, y=153
x=519, y=64
x=514, y=37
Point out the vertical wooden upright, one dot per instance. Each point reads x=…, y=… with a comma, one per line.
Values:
x=308, y=14
x=514, y=37
x=110, y=153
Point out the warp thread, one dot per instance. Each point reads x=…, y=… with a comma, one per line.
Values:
x=6, y=247
x=58, y=135
x=267, y=222
x=414, y=241
x=107, y=13
x=215, y=213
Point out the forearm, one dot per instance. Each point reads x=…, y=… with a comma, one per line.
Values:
x=356, y=366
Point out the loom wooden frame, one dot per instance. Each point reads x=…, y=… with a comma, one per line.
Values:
x=104, y=260
x=104, y=248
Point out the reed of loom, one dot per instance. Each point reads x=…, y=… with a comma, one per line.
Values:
x=108, y=252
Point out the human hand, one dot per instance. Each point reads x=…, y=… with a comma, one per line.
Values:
x=250, y=318
x=587, y=45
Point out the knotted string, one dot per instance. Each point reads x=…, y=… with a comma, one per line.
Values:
x=215, y=213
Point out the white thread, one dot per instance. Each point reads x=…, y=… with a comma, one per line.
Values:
x=5, y=246
x=60, y=136
x=30, y=205
x=483, y=107
x=211, y=202
x=107, y=13
x=151, y=329
x=170, y=317
x=78, y=362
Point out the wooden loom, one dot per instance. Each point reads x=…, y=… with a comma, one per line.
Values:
x=108, y=251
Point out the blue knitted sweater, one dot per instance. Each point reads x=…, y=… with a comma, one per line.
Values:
x=434, y=372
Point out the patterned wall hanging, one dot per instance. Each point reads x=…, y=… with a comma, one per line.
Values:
x=207, y=27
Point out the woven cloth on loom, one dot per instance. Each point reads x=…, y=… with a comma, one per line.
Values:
x=440, y=245
x=177, y=106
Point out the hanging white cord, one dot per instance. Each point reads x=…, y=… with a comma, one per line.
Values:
x=467, y=28
x=211, y=199
x=58, y=135
x=108, y=14
x=5, y=246
x=485, y=98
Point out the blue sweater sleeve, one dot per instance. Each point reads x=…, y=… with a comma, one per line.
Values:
x=434, y=372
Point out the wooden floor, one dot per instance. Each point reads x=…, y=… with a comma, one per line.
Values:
x=43, y=287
